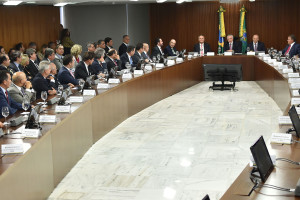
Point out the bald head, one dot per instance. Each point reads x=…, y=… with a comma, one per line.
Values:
x=255, y=38
x=19, y=79
x=172, y=43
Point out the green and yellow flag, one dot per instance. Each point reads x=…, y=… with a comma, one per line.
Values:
x=242, y=29
x=222, y=33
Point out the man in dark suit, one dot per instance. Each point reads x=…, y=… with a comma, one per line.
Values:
x=58, y=56
x=65, y=75
x=91, y=46
x=99, y=65
x=101, y=44
x=5, y=99
x=138, y=54
x=124, y=45
x=41, y=82
x=292, y=48
x=108, y=44
x=170, y=50
x=145, y=55
x=157, y=49
x=32, y=69
x=15, y=65
x=113, y=60
x=256, y=45
x=49, y=55
x=4, y=63
x=53, y=77
x=202, y=47
x=232, y=46
x=84, y=68
x=127, y=57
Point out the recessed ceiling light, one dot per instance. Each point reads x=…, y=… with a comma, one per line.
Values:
x=180, y=1
x=12, y=3
x=60, y=4
x=160, y=1
x=31, y=2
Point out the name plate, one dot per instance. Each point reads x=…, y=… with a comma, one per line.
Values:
x=138, y=72
x=76, y=99
x=31, y=133
x=273, y=61
x=251, y=53
x=261, y=54
x=89, y=92
x=281, y=138
x=227, y=53
x=295, y=85
x=284, y=120
x=298, y=110
x=195, y=54
x=179, y=60
x=62, y=109
x=113, y=81
x=295, y=101
x=47, y=119
x=210, y=53
x=266, y=58
x=102, y=86
x=190, y=57
x=294, y=80
x=290, y=75
x=285, y=71
x=283, y=67
x=158, y=65
x=127, y=76
x=295, y=93
x=171, y=62
x=12, y=148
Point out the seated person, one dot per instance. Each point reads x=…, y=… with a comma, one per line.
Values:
x=91, y=47
x=65, y=75
x=124, y=45
x=292, y=48
x=53, y=78
x=84, y=68
x=145, y=55
x=15, y=65
x=49, y=55
x=138, y=54
x=32, y=69
x=108, y=44
x=58, y=56
x=101, y=44
x=41, y=82
x=5, y=99
x=127, y=57
x=4, y=63
x=256, y=45
x=113, y=60
x=170, y=50
x=157, y=49
x=99, y=65
x=201, y=47
x=21, y=88
x=231, y=45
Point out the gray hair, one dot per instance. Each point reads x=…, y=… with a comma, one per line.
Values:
x=30, y=51
x=230, y=35
x=48, y=52
x=99, y=53
x=44, y=65
x=89, y=44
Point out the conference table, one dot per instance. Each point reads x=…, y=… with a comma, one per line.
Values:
x=47, y=159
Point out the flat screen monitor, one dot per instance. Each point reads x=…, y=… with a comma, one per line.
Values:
x=223, y=72
x=262, y=158
x=295, y=119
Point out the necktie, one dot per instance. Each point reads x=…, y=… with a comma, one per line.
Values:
x=230, y=46
x=6, y=94
x=288, y=50
x=71, y=73
x=115, y=62
x=23, y=91
x=173, y=51
x=36, y=65
x=201, y=49
x=130, y=60
x=255, y=48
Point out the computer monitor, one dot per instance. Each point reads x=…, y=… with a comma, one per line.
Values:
x=262, y=158
x=223, y=72
x=295, y=119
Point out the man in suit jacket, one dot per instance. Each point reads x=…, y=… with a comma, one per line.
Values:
x=202, y=47
x=99, y=65
x=91, y=47
x=65, y=75
x=15, y=65
x=21, y=88
x=59, y=56
x=145, y=55
x=124, y=45
x=108, y=44
x=5, y=99
x=101, y=44
x=32, y=69
x=84, y=68
x=113, y=60
x=138, y=54
x=157, y=49
x=127, y=57
x=256, y=45
x=231, y=45
x=292, y=48
x=170, y=50
x=41, y=82
x=53, y=76
x=4, y=63
x=49, y=55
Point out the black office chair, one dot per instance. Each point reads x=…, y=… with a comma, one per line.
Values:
x=206, y=197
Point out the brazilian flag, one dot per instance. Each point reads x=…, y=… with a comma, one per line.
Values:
x=242, y=29
x=222, y=33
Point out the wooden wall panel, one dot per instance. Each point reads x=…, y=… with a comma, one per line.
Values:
x=28, y=23
x=273, y=20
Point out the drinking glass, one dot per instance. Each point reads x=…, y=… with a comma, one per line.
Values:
x=154, y=59
x=158, y=57
x=60, y=89
x=5, y=113
x=44, y=97
x=25, y=105
x=81, y=84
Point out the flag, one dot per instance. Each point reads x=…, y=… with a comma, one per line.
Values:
x=242, y=29
x=222, y=33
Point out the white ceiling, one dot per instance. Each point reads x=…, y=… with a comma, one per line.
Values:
x=92, y=2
